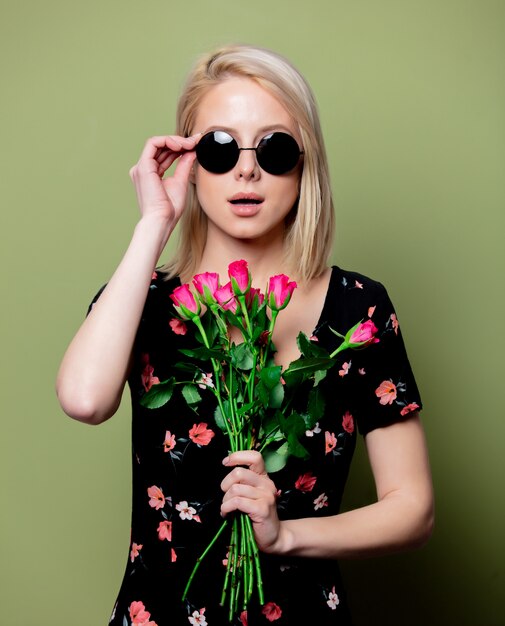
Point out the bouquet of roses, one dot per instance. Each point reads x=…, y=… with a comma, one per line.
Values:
x=255, y=404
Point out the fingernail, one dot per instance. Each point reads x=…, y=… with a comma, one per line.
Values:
x=226, y=460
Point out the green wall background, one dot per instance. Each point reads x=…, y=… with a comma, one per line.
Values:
x=412, y=99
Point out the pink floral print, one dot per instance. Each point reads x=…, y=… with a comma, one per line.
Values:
x=345, y=369
x=386, y=392
x=348, y=422
x=138, y=614
x=330, y=442
x=186, y=511
x=200, y=434
x=306, y=482
x=198, y=618
x=148, y=380
x=169, y=443
x=394, y=322
x=271, y=611
x=413, y=406
x=178, y=326
x=313, y=431
x=135, y=551
x=165, y=530
x=156, y=497
x=205, y=381
x=333, y=599
x=320, y=501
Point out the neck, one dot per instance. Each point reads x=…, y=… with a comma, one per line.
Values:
x=264, y=259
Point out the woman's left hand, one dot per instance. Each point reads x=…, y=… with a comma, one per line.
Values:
x=249, y=489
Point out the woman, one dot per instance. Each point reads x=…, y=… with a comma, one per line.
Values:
x=251, y=182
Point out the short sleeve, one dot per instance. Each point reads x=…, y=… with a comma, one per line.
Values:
x=92, y=303
x=385, y=390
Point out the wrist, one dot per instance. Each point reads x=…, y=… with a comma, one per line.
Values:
x=284, y=545
x=155, y=231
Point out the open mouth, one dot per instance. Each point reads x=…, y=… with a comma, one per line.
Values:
x=246, y=201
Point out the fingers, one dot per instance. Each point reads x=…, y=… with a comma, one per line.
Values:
x=249, y=501
x=252, y=459
x=155, y=146
x=161, y=151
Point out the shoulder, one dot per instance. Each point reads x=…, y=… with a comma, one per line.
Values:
x=353, y=296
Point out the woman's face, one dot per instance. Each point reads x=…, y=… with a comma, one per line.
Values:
x=246, y=202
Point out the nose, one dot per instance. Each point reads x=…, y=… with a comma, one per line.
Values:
x=247, y=166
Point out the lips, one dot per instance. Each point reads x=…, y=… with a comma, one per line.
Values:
x=246, y=199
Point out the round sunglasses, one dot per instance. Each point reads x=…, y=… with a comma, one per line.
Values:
x=218, y=152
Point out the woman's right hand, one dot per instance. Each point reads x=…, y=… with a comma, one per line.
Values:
x=164, y=197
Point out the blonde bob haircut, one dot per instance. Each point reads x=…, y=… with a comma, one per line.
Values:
x=309, y=227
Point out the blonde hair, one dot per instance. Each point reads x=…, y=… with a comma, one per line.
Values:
x=309, y=234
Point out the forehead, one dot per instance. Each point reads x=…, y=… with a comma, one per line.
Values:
x=242, y=105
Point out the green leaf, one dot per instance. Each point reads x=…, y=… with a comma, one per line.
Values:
x=242, y=357
x=308, y=366
x=336, y=333
x=271, y=376
x=275, y=460
x=316, y=404
x=204, y=354
x=219, y=419
x=309, y=348
x=158, y=395
x=319, y=376
x=295, y=447
x=191, y=394
x=276, y=396
x=263, y=393
x=187, y=367
x=309, y=420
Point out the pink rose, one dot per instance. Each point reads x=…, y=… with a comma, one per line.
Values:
x=348, y=422
x=225, y=298
x=363, y=334
x=239, y=277
x=184, y=302
x=254, y=298
x=206, y=284
x=279, y=292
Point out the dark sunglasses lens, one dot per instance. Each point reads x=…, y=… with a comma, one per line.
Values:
x=278, y=153
x=217, y=152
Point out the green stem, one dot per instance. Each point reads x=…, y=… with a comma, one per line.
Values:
x=201, y=557
x=343, y=346
x=245, y=313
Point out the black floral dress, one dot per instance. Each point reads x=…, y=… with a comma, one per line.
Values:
x=177, y=469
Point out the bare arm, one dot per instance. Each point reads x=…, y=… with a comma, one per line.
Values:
x=95, y=367
x=401, y=518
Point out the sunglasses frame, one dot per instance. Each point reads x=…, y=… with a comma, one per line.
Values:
x=234, y=153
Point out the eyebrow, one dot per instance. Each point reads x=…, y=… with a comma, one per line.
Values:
x=261, y=131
